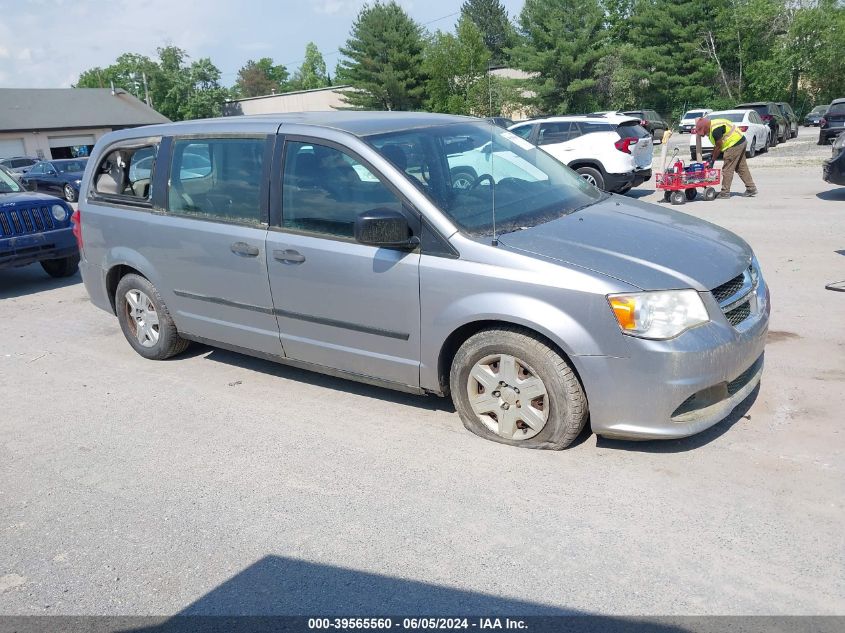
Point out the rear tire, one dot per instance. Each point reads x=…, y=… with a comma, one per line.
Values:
x=145, y=320
x=691, y=194
x=678, y=197
x=63, y=267
x=773, y=136
x=709, y=194
x=70, y=193
x=592, y=176
x=483, y=381
x=752, y=151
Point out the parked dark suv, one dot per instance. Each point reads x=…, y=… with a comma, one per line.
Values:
x=651, y=121
x=772, y=116
x=833, y=121
x=35, y=227
x=791, y=118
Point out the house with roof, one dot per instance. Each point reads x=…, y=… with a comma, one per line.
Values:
x=65, y=122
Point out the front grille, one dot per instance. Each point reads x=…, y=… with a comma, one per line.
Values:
x=739, y=314
x=25, y=220
x=734, y=296
x=729, y=288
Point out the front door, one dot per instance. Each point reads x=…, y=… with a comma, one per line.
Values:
x=341, y=304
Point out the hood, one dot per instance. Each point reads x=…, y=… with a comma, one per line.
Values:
x=26, y=197
x=639, y=243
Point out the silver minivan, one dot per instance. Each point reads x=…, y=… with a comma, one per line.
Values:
x=345, y=243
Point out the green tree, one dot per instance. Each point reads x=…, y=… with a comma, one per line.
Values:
x=127, y=72
x=312, y=73
x=262, y=77
x=383, y=60
x=669, y=59
x=454, y=64
x=492, y=21
x=561, y=42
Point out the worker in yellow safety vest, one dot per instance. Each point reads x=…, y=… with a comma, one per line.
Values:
x=729, y=141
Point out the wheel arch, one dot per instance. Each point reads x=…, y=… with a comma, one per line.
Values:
x=458, y=336
x=586, y=162
x=113, y=277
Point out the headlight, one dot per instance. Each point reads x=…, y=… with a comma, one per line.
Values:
x=658, y=315
x=59, y=212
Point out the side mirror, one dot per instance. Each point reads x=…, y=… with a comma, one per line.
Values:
x=385, y=228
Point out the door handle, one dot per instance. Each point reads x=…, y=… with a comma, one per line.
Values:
x=288, y=256
x=244, y=250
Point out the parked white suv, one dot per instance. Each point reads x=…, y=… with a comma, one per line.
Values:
x=611, y=151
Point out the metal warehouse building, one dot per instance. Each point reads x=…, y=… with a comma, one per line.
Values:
x=65, y=122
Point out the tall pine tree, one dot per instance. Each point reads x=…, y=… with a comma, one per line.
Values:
x=561, y=42
x=491, y=18
x=383, y=60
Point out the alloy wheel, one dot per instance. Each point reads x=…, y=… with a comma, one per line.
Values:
x=143, y=318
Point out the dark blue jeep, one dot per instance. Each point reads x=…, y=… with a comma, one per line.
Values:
x=35, y=227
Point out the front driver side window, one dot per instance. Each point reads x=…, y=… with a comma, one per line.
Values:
x=325, y=189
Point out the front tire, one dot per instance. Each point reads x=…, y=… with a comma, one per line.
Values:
x=592, y=176
x=63, y=267
x=752, y=151
x=70, y=193
x=509, y=386
x=145, y=320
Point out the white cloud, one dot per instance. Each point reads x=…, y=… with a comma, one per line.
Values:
x=334, y=7
x=99, y=33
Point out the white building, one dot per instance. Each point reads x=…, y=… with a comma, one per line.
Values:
x=317, y=100
x=65, y=122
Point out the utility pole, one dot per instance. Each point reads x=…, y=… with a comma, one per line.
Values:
x=146, y=90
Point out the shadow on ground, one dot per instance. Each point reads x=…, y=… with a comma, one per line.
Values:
x=432, y=403
x=281, y=586
x=19, y=282
x=687, y=443
x=836, y=195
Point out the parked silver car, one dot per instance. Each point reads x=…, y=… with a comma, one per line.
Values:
x=341, y=243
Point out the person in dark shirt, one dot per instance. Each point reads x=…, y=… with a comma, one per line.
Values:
x=729, y=141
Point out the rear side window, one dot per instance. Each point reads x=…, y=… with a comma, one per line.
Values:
x=324, y=189
x=217, y=179
x=631, y=129
x=559, y=132
x=736, y=117
x=126, y=174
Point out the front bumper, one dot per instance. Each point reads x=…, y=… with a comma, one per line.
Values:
x=685, y=128
x=646, y=395
x=27, y=249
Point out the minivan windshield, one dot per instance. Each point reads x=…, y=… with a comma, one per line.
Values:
x=693, y=114
x=479, y=174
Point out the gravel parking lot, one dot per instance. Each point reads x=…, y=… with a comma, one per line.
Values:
x=217, y=483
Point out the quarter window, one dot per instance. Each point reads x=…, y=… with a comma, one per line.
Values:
x=127, y=173
x=523, y=131
x=217, y=178
x=325, y=189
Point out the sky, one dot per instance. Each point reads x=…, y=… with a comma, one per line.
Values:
x=48, y=43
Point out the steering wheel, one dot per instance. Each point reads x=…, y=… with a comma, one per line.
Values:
x=482, y=177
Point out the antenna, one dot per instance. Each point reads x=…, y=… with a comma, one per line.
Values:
x=493, y=182
x=495, y=241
